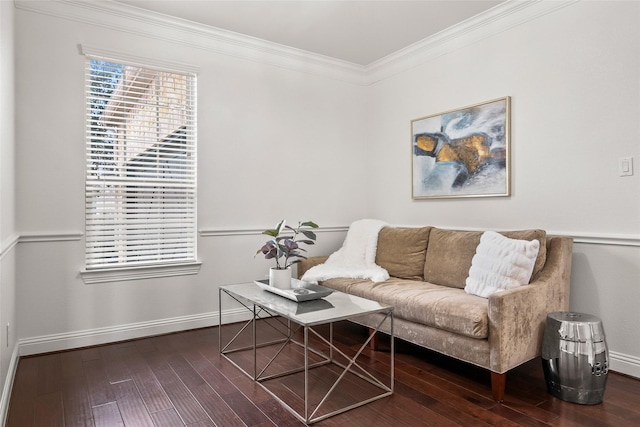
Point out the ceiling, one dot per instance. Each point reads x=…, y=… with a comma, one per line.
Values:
x=360, y=32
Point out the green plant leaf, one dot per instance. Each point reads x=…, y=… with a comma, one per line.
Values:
x=287, y=247
x=306, y=242
x=309, y=234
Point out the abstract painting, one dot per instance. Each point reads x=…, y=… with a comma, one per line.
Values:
x=463, y=152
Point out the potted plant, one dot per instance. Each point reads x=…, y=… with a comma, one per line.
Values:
x=286, y=250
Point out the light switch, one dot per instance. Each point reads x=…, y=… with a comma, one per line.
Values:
x=625, y=166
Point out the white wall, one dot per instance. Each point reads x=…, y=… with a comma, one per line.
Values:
x=273, y=144
x=8, y=235
x=573, y=76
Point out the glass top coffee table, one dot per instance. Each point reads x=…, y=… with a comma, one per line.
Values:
x=287, y=347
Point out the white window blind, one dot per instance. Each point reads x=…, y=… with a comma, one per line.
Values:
x=141, y=165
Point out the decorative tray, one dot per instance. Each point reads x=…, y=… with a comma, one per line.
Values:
x=300, y=291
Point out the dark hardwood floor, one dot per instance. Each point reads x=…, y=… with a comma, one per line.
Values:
x=181, y=379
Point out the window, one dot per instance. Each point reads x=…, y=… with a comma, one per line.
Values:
x=141, y=166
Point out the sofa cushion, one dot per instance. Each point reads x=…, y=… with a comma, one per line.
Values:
x=402, y=251
x=450, y=252
x=500, y=263
x=442, y=307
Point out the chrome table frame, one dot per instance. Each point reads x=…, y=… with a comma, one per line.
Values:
x=263, y=305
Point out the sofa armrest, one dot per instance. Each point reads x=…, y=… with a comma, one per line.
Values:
x=517, y=316
x=311, y=261
x=516, y=324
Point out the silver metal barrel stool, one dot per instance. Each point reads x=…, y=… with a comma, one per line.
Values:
x=575, y=358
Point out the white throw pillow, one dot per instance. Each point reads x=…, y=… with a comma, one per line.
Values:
x=500, y=263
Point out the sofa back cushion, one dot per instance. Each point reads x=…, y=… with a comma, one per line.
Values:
x=450, y=252
x=402, y=251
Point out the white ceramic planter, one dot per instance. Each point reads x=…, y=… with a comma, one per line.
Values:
x=280, y=278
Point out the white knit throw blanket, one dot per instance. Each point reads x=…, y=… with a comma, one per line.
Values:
x=356, y=259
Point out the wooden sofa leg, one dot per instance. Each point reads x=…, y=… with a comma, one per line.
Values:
x=373, y=344
x=498, y=385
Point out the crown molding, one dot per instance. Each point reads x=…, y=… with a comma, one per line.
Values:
x=129, y=19
x=125, y=18
x=493, y=21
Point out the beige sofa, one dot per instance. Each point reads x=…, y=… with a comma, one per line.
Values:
x=428, y=268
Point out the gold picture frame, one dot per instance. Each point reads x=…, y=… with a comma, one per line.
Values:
x=463, y=152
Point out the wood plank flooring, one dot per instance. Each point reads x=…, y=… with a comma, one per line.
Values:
x=181, y=380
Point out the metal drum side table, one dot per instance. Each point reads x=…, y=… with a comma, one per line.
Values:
x=575, y=358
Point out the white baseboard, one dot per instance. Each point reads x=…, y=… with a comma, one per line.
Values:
x=619, y=362
x=91, y=337
x=625, y=364
x=8, y=385
x=86, y=338
x=622, y=363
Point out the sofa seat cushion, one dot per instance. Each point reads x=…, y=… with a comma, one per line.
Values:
x=442, y=307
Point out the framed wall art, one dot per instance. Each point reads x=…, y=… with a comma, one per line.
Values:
x=463, y=152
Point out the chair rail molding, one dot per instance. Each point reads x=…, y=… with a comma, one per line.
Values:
x=605, y=239
x=613, y=239
x=250, y=231
x=49, y=237
x=578, y=237
x=8, y=245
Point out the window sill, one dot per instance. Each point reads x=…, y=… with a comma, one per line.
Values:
x=120, y=274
